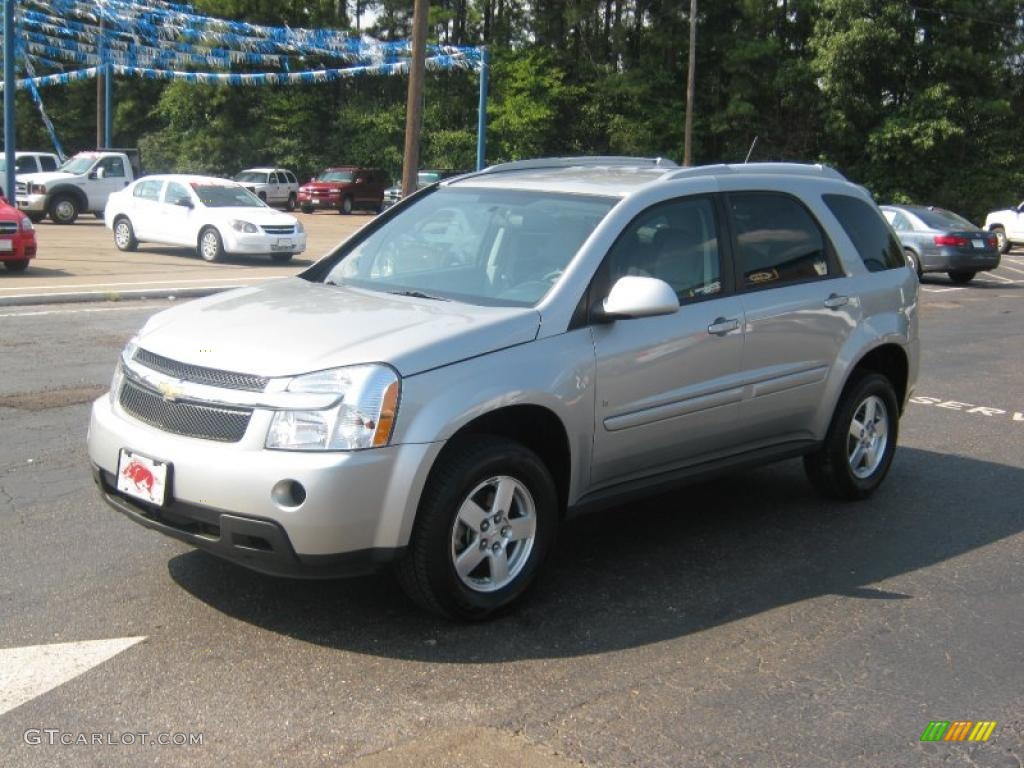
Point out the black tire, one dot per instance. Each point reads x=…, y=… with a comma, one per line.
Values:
x=829, y=468
x=281, y=258
x=124, y=234
x=346, y=206
x=35, y=218
x=962, y=278
x=915, y=261
x=292, y=200
x=210, y=246
x=16, y=266
x=307, y=209
x=1004, y=244
x=63, y=209
x=426, y=571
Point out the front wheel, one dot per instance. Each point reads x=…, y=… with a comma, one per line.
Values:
x=485, y=523
x=290, y=205
x=962, y=278
x=63, y=209
x=211, y=247
x=124, y=235
x=346, y=205
x=861, y=440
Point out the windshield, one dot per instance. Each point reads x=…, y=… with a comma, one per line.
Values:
x=78, y=165
x=252, y=177
x=424, y=178
x=335, y=176
x=226, y=196
x=480, y=246
x=938, y=218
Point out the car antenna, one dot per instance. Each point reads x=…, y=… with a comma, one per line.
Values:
x=750, y=151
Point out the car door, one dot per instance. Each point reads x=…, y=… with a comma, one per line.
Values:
x=107, y=176
x=1015, y=226
x=274, y=189
x=144, y=209
x=178, y=222
x=668, y=387
x=800, y=307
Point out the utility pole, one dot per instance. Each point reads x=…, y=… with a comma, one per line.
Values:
x=414, y=102
x=690, y=80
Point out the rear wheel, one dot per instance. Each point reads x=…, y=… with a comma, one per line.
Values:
x=485, y=522
x=211, y=247
x=124, y=235
x=63, y=209
x=915, y=262
x=346, y=205
x=962, y=278
x=1001, y=242
x=16, y=266
x=861, y=440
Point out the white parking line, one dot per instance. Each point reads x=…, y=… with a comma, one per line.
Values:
x=37, y=313
x=28, y=672
x=152, y=283
x=998, y=277
x=1013, y=269
x=934, y=289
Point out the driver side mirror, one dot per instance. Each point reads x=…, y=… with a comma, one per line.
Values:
x=634, y=296
x=98, y=173
x=184, y=202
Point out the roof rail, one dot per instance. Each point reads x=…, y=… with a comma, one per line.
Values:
x=781, y=169
x=592, y=161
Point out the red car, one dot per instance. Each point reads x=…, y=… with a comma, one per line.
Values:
x=17, y=238
x=344, y=189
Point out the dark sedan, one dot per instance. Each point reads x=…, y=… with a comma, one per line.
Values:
x=937, y=240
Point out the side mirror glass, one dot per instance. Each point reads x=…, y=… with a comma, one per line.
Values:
x=635, y=296
x=184, y=202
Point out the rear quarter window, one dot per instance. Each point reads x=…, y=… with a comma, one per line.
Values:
x=875, y=243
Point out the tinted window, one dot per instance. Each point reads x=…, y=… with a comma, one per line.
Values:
x=937, y=218
x=25, y=165
x=113, y=167
x=878, y=247
x=778, y=240
x=676, y=242
x=148, y=190
x=48, y=163
x=291, y=177
x=274, y=179
x=176, y=192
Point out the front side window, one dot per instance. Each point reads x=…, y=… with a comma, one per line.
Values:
x=878, y=247
x=479, y=246
x=113, y=167
x=676, y=242
x=175, y=192
x=778, y=241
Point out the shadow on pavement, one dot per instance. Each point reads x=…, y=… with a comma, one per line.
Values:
x=664, y=568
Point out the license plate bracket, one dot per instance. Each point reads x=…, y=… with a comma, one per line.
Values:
x=143, y=477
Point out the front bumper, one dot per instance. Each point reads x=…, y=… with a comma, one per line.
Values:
x=313, y=200
x=34, y=203
x=261, y=242
x=221, y=495
x=22, y=248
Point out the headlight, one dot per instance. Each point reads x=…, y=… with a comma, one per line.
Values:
x=334, y=191
x=244, y=226
x=37, y=189
x=126, y=354
x=26, y=224
x=364, y=416
x=299, y=228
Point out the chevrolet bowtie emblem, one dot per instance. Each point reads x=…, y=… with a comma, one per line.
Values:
x=170, y=390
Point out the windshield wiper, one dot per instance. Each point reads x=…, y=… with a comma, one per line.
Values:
x=418, y=295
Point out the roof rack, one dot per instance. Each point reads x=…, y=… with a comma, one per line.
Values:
x=592, y=161
x=781, y=169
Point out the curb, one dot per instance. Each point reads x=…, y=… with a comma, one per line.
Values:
x=79, y=297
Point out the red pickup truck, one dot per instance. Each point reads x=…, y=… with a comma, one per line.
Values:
x=345, y=188
x=17, y=237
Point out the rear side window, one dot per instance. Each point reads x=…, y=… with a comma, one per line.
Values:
x=778, y=241
x=878, y=247
x=291, y=177
x=148, y=190
x=48, y=163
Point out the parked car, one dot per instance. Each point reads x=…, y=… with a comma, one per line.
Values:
x=17, y=238
x=81, y=184
x=534, y=341
x=344, y=189
x=274, y=186
x=214, y=216
x=937, y=240
x=1008, y=227
x=423, y=179
x=27, y=162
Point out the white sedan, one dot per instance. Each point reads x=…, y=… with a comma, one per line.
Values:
x=214, y=216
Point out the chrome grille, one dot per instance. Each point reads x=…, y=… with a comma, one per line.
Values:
x=278, y=229
x=200, y=374
x=8, y=227
x=183, y=417
x=20, y=187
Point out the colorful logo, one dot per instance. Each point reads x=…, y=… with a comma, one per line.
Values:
x=958, y=730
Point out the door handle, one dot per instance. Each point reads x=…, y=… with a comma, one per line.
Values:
x=722, y=326
x=835, y=301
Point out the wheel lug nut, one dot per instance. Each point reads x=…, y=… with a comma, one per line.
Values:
x=483, y=543
x=495, y=547
x=506, y=531
x=484, y=525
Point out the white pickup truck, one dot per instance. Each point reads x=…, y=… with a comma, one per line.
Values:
x=82, y=184
x=1008, y=227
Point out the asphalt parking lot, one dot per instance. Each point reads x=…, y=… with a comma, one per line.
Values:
x=741, y=622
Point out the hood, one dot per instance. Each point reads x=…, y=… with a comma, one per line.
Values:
x=253, y=214
x=45, y=177
x=291, y=326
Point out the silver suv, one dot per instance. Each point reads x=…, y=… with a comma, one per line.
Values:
x=510, y=348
